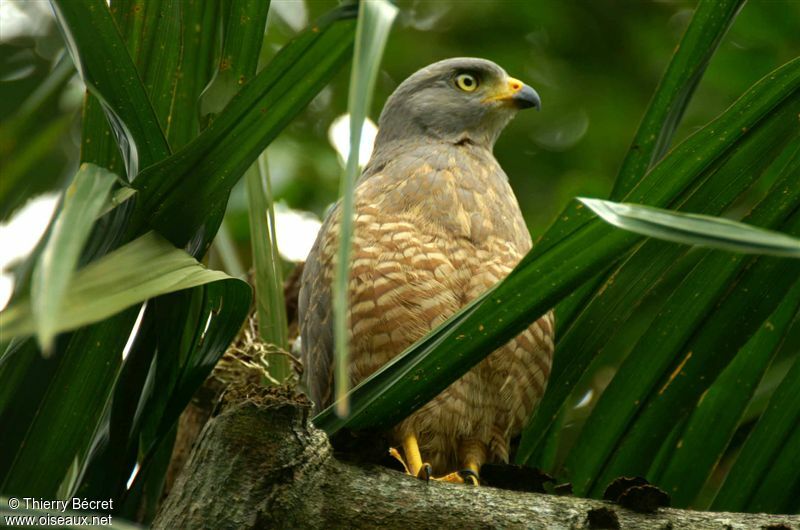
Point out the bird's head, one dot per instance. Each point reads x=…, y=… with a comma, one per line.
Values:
x=455, y=100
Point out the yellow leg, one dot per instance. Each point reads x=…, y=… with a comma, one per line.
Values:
x=472, y=469
x=413, y=457
x=473, y=455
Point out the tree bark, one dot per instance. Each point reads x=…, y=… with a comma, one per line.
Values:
x=259, y=463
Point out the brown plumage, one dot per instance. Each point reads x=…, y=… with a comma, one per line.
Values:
x=436, y=224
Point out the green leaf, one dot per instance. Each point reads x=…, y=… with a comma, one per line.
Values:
x=117, y=198
x=104, y=64
x=708, y=318
x=693, y=229
x=774, y=440
x=83, y=201
x=243, y=36
x=225, y=248
x=143, y=269
x=211, y=164
x=703, y=35
x=719, y=410
x=707, y=334
x=36, y=465
x=205, y=319
x=780, y=488
x=708, y=146
x=163, y=38
x=83, y=370
x=151, y=30
x=544, y=277
x=374, y=22
x=200, y=37
x=92, y=355
x=240, y=57
x=616, y=299
x=212, y=316
x=18, y=184
x=270, y=304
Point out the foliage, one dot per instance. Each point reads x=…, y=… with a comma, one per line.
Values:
x=130, y=375
x=672, y=362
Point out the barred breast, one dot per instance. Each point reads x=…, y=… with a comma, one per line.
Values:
x=424, y=245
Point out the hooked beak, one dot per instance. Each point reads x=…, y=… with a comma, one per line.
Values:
x=518, y=94
x=524, y=96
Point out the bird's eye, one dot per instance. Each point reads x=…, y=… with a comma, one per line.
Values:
x=466, y=82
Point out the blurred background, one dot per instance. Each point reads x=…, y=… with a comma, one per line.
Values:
x=594, y=63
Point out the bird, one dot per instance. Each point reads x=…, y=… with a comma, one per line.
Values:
x=435, y=224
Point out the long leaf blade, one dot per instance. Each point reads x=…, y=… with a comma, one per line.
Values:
x=691, y=343
x=162, y=37
x=143, y=269
x=773, y=431
x=374, y=22
x=270, y=304
x=694, y=229
x=106, y=68
x=243, y=36
x=83, y=201
x=712, y=425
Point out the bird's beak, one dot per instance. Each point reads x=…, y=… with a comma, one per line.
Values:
x=518, y=94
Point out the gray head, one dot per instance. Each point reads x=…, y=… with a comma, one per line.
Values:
x=463, y=99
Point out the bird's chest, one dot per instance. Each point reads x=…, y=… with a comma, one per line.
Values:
x=448, y=198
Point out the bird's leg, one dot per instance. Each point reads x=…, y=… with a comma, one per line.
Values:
x=412, y=463
x=470, y=473
x=472, y=454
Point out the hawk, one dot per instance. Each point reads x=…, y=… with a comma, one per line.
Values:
x=435, y=224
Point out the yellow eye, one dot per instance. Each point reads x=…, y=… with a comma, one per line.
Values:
x=467, y=82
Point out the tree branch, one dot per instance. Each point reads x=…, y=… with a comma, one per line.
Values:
x=258, y=463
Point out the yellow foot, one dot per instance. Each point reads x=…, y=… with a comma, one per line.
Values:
x=459, y=477
x=423, y=471
x=465, y=476
x=411, y=460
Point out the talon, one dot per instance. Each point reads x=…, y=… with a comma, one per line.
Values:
x=425, y=472
x=469, y=477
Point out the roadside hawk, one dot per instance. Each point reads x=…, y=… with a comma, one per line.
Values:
x=436, y=224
